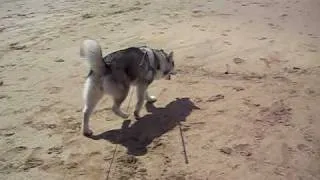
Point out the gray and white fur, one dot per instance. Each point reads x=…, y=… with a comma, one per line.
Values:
x=116, y=72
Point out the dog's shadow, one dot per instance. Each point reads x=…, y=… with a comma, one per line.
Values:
x=142, y=132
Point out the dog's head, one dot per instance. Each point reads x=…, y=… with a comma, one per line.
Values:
x=168, y=65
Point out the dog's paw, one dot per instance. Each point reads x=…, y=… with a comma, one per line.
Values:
x=118, y=112
x=124, y=116
x=87, y=132
x=136, y=114
x=151, y=99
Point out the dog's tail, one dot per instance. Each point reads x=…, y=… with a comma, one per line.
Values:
x=91, y=51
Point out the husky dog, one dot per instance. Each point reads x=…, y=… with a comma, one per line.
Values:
x=117, y=71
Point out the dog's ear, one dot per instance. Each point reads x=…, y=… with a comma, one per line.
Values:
x=171, y=55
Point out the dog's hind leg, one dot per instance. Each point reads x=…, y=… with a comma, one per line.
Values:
x=117, y=101
x=92, y=94
x=141, y=94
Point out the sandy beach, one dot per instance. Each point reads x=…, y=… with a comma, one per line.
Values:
x=245, y=98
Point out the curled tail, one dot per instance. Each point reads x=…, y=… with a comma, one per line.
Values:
x=91, y=51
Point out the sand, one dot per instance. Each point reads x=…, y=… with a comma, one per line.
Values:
x=245, y=99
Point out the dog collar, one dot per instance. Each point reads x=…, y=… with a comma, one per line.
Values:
x=153, y=60
x=157, y=61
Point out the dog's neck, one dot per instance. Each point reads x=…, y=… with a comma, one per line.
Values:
x=159, y=65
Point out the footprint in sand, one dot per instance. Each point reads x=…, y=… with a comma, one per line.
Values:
x=12, y=159
x=59, y=60
x=32, y=163
x=262, y=38
x=23, y=79
x=249, y=103
x=87, y=16
x=197, y=13
x=137, y=19
x=71, y=124
x=127, y=166
x=238, y=60
x=17, y=46
x=190, y=57
x=243, y=149
x=20, y=148
x=308, y=135
x=14, y=151
x=40, y=125
x=54, y=90
x=52, y=165
x=215, y=98
x=55, y=150
x=73, y=161
x=4, y=97
x=274, y=26
x=238, y=88
x=7, y=132
x=283, y=15
x=305, y=148
x=113, y=6
x=277, y=113
x=227, y=43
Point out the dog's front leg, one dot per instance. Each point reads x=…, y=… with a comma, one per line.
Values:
x=141, y=93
